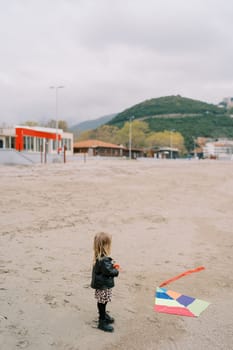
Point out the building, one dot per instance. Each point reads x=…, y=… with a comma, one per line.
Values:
x=220, y=149
x=36, y=139
x=167, y=152
x=228, y=102
x=163, y=152
x=100, y=148
x=7, y=138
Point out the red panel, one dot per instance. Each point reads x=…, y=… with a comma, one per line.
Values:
x=182, y=311
x=21, y=132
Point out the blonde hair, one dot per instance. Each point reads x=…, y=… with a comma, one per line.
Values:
x=102, y=245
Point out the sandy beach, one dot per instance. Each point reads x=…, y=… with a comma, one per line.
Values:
x=165, y=217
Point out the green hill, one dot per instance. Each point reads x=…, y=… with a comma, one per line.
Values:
x=165, y=106
x=190, y=117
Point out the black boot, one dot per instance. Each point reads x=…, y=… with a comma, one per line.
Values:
x=108, y=318
x=104, y=326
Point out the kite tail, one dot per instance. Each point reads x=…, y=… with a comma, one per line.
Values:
x=197, y=269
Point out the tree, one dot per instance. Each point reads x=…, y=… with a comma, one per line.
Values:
x=139, y=132
x=30, y=123
x=107, y=133
x=51, y=123
x=62, y=124
x=86, y=135
x=166, y=138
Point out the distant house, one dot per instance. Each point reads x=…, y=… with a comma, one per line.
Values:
x=105, y=149
x=163, y=152
x=228, y=102
x=221, y=148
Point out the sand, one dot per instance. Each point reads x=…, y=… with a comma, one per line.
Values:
x=165, y=217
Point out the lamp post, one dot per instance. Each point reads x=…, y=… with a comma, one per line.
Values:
x=56, y=112
x=171, y=145
x=194, y=148
x=130, y=136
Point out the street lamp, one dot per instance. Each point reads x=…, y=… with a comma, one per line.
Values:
x=56, y=112
x=194, y=147
x=130, y=136
x=171, y=145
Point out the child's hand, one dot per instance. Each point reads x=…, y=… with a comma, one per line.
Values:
x=116, y=266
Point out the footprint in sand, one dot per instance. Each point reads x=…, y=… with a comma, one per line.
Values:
x=40, y=269
x=50, y=299
x=22, y=344
x=2, y=271
x=62, y=345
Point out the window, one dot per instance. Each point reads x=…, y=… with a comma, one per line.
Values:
x=54, y=145
x=66, y=142
x=39, y=144
x=12, y=142
x=28, y=143
x=7, y=141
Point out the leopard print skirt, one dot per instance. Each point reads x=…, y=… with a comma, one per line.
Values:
x=103, y=295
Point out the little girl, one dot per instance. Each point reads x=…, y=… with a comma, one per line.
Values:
x=103, y=274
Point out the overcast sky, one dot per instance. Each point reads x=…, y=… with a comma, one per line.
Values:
x=110, y=55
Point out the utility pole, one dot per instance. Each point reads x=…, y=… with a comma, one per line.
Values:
x=56, y=113
x=130, y=136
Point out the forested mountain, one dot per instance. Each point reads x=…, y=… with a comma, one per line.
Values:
x=189, y=117
x=165, y=107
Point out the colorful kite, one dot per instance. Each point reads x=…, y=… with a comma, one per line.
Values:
x=168, y=301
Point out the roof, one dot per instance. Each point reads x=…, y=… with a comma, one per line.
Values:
x=95, y=144
x=40, y=128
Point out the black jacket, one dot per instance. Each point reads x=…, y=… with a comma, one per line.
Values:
x=103, y=273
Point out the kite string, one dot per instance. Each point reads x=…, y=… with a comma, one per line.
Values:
x=197, y=269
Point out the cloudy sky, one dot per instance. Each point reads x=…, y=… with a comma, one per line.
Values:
x=110, y=55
